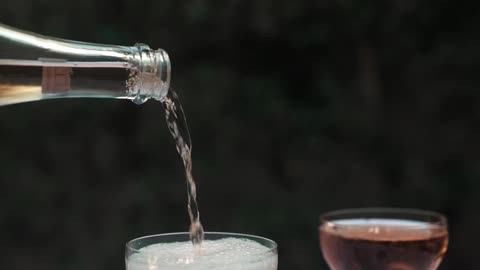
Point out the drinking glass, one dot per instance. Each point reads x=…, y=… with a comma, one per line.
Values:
x=219, y=251
x=383, y=239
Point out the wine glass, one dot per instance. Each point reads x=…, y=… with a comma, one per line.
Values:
x=219, y=251
x=383, y=239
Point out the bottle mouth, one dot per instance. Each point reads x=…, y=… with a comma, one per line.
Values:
x=163, y=69
x=150, y=75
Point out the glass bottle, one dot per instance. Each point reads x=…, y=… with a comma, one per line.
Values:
x=35, y=67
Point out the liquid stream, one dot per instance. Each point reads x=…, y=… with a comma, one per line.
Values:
x=177, y=125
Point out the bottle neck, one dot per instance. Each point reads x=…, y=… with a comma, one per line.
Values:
x=150, y=74
x=148, y=71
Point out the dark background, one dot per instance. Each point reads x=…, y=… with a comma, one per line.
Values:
x=295, y=108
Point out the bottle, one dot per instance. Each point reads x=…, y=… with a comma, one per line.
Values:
x=35, y=67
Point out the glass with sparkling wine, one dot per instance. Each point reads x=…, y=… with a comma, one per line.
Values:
x=219, y=251
x=383, y=239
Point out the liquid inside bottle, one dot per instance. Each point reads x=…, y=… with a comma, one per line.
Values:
x=34, y=67
x=19, y=83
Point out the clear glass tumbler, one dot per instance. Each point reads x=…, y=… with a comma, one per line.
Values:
x=383, y=239
x=219, y=251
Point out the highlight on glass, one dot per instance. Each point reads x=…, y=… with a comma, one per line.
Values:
x=383, y=239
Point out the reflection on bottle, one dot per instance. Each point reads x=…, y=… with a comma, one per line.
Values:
x=56, y=79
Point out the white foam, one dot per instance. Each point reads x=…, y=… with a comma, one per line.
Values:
x=223, y=254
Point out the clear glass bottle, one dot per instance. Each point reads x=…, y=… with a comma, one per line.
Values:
x=35, y=67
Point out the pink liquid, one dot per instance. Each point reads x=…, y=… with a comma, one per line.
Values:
x=381, y=244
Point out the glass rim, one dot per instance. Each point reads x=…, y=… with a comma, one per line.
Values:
x=271, y=248
x=370, y=212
